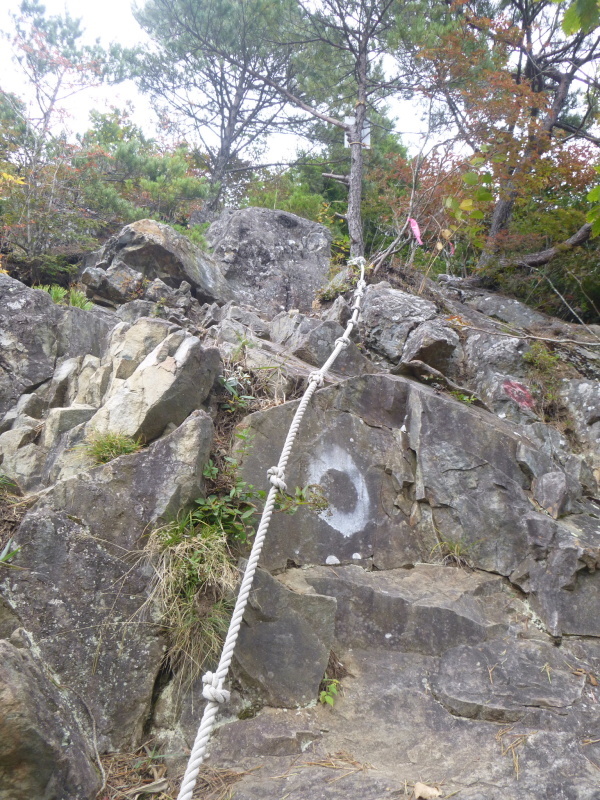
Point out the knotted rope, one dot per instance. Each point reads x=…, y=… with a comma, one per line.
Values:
x=213, y=681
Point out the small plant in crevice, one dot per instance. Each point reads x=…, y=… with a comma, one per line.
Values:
x=448, y=552
x=233, y=509
x=329, y=693
x=467, y=399
x=331, y=685
x=104, y=447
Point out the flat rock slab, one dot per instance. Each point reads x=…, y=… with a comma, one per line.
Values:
x=387, y=731
x=427, y=609
x=505, y=681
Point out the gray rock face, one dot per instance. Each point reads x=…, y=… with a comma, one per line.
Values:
x=147, y=250
x=34, y=333
x=582, y=399
x=410, y=475
x=312, y=340
x=28, y=338
x=273, y=260
x=43, y=752
x=388, y=317
x=434, y=344
x=284, y=644
x=84, y=609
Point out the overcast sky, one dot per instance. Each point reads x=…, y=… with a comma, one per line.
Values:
x=112, y=21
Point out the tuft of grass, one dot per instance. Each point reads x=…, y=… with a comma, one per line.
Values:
x=544, y=374
x=79, y=299
x=104, y=447
x=194, y=583
x=452, y=552
x=57, y=293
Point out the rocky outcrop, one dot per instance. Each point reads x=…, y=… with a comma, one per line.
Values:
x=81, y=585
x=146, y=256
x=35, y=333
x=442, y=558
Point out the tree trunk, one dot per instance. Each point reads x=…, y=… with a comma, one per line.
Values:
x=355, y=228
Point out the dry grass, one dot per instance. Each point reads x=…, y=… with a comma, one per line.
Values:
x=143, y=774
x=195, y=579
x=127, y=775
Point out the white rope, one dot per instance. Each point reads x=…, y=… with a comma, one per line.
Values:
x=213, y=690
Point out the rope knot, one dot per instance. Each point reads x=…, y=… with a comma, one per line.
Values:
x=212, y=691
x=342, y=341
x=316, y=377
x=361, y=285
x=276, y=476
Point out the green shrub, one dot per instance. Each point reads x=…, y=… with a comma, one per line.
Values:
x=79, y=300
x=195, y=233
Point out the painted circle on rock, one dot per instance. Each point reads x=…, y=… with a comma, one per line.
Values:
x=345, y=488
x=519, y=393
x=339, y=488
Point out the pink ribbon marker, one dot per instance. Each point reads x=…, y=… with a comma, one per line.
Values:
x=414, y=226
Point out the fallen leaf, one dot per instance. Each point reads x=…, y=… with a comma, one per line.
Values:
x=426, y=792
x=150, y=788
x=593, y=679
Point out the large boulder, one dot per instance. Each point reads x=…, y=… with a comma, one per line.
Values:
x=410, y=475
x=272, y=259
x=146, y=250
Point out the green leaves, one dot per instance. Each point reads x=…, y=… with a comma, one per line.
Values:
x=471, y=178
x=582, y=15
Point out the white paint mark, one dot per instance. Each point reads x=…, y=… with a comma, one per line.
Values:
x=388, y=636
x=356, y=556
x=347, y=522
x=332, y=560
